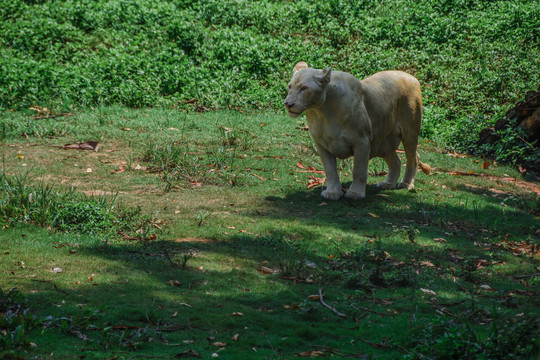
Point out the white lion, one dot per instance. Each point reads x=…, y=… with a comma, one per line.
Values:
x=364, y=119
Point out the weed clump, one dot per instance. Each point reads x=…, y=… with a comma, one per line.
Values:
x=455, y=339
x=21, y=201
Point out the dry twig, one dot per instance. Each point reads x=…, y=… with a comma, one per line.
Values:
x=330, y=307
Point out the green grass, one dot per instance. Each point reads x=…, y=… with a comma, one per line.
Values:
x=474, y=59
x=242, y=243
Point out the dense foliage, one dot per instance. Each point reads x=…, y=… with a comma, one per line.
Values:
x=473, y=58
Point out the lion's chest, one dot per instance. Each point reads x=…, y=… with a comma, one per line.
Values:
x=336, y=138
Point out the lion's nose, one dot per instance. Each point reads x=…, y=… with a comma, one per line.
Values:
x=288, y=105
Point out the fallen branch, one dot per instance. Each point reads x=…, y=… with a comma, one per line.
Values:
x=60, y=290
x=374, y=311
x=330, y=307
x=446, y=304
x=52, y=116
x=380, y=345
x=188, y=101
x=526, y=276
x=295, y=279
x=328, y=350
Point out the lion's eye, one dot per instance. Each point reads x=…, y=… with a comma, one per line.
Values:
x=303, y=88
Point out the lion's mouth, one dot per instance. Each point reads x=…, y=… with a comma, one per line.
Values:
x=294, y=112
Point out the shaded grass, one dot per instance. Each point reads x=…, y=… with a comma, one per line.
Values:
x=406, y=268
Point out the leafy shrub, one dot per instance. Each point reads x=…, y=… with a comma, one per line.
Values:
x=473, y=58
x=87, y=216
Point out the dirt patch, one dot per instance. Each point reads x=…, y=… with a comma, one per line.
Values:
x=522, y=184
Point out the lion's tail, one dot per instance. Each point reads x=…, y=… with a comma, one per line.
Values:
x=426, y=169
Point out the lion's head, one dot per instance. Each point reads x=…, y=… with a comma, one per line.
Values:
x=307, y=89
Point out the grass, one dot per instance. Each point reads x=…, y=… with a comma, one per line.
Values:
x=242, y=246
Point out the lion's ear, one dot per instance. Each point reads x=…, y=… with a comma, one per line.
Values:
x=325, y=76
x=300, y=65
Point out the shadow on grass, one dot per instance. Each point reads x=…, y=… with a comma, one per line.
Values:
x=224, y=290
x=463, y=213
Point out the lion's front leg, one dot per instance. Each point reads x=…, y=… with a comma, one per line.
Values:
x=333, y=189
x=357, y=190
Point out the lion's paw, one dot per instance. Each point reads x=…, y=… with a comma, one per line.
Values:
x=354, y=195
x=384, y=185
x=331, y=195
x=407, y=186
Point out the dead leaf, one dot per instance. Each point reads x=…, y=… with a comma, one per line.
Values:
x=293, y=306
x=80, y=335
x=258, y=176
x=309, y=169
x=120, y=170
x=314, y=353
x=235, y=337
x=87, y=145
x=175, y=283
x=266, y=270
x=486, y=164
x=237, y=314
x=315, y=181
x=219, y=343
x=56, y=270
x=40, y=110
x=314, y=297
x=373, y=215
x=188, y=353
x=429, y=292
x=457, y=155
x=427, y=263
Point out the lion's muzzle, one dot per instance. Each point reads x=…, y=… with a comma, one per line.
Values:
x=290, y=109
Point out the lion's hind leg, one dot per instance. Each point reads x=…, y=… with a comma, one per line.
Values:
x=410, y=170
x=394, y=169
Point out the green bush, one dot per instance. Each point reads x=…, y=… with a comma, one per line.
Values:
x=473, y=58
